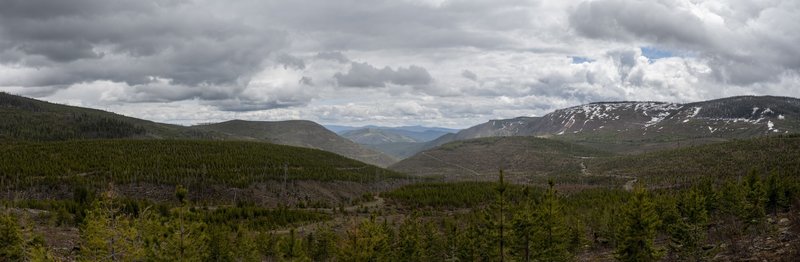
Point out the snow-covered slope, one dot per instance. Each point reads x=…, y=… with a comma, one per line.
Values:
x=734, y=117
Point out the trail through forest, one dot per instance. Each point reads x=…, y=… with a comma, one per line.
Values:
x=628, y=185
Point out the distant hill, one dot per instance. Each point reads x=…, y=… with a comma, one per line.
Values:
x=398, y=142
x=300, y=133
x=374, y=136
x=23, y=118
x=484, y=156
x=681, y=166
x=26, y=119
x=645, y=126
x=417, y=133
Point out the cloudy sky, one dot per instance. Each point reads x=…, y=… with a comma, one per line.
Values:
x=445, y=63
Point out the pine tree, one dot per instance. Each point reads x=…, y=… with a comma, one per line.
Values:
x=522, y=227
x=639, y=222
x=369, y=241
x=523, y=232
x=688, y=233
x=756, y=198
x=501, y=223
x=731, y=200
x=180, y=194
x=40, y=253
x=409, y=244
x=108, y=235
x=550, y=229
x=12, y=245
x=243, y=247
x=776, y=193
x=321, y=244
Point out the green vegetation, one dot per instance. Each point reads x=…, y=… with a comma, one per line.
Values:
x=449, y=195
x=560, y=202
x=516, y=155
x=722, y=160
x=33, y=120
x=193, y=163
x=498, y=220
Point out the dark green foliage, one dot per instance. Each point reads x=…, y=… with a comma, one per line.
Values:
x=550, y=230
x=516, y=154
x=721, y=160
x=453, y=195
x=191, y=163
x=369, y=241
x=540, y=230
x=688, y=232
x=257, y=218
x=25, y=119
x=12, y=245
x=321, y=244
x=756, y=199
x=639, y=223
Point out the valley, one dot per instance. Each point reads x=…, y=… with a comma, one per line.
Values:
x=714, y=180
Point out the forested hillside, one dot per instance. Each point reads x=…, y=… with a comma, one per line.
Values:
x=482, y=156
x=298, y=133
x=172, y=162
x=686, y=165
x=28, y=119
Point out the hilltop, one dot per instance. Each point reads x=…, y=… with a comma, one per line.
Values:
x=27, y=119
x=34, y=120
x=630, y=127
x=300, y=133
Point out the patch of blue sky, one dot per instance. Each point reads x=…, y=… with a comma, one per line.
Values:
x=581, y=60
x=653, y=53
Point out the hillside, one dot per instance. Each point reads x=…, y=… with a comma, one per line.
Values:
x=733, y=159
x=418, y=133
x=484, y=156
x=297, y=133
x=29, y=119
x=170, y=161
x=398, y=142
x=647, y=126
x=26, y=119
x=374, y=136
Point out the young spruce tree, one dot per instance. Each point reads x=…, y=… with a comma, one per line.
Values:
x=639, y=222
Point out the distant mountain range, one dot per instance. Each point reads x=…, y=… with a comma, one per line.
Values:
x=614, y=127
x=415, y=129
x=26, y=119
x=399, y=142
x=646, y=126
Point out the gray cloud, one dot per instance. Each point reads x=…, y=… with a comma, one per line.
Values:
x=366, y=75
x=751, y=45
x=290, y=61
x=335, y=56
x=390, y=24
x=133, y=42
x=629, y=20
x=469, y=75
x=295, y=59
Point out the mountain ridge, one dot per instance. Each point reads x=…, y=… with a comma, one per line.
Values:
x=28, y=119
x=652, y=122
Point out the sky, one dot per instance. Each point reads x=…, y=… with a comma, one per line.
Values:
x=447, y=63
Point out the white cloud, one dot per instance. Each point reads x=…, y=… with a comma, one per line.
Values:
x=433, y=62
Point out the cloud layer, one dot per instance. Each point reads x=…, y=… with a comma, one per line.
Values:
x=392, y=62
